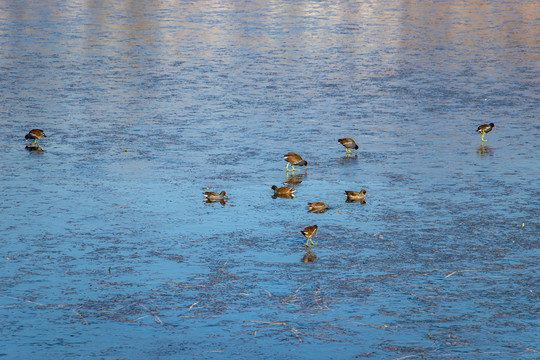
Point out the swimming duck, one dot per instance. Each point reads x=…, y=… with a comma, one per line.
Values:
x=318, y=207
x=349, y=144
x=484, y=129
x=354, y=196
x=310, y=232
x=294, y=159
x=212, y=196
x=35, y=134
x=286, y=192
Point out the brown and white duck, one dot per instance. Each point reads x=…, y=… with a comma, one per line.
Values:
x=284, y=192
x=349, y=144
x=318, y=207
x=294, y=159
x=210, y=196
x=310, y=232
x=354, y=196
x=484, y=129
x=35, y=134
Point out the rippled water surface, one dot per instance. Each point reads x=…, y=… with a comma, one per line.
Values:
x=108, y=250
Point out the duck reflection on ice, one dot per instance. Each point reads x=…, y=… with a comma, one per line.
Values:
x=222, y=201
x=484, y=150
x=294, y=179
x=360, y=201
x=309, y=256
x=34, y=148
x=348, y=159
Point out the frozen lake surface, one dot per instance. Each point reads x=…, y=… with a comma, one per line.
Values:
x=108, y=250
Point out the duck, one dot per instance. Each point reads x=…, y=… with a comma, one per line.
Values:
x=349, y=144
x=212, y=196
x=318, y=207
x=484, y=129
x=310, y=232
x=354, y=196
x=35, y=134
x=285, y=192
x=294, y=159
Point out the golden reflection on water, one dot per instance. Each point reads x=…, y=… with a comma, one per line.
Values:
x=472, y=25
x=307, y=26
x=271, y=39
